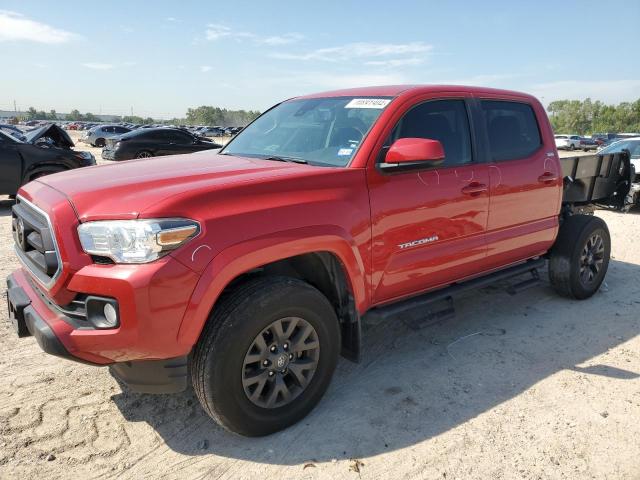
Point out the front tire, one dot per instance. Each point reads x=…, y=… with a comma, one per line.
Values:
x=266, y=355
x=100, y=142
x=579, y=259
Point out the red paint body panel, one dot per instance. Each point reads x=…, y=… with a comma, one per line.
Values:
x=471, y=219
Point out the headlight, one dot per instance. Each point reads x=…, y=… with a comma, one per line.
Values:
x=136, y=241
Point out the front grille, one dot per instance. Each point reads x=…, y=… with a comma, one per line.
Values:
x=35, y=242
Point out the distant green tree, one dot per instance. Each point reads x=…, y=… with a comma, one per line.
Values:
x=132, y=119
x=74, y=115
x=207, y=115
x=588, y=117
x=32, y=113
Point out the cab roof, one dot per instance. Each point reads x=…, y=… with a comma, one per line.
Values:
x=396, y=90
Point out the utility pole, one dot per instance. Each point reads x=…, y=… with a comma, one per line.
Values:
x=15, y=109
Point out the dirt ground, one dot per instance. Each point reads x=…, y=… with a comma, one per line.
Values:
x=526, y=386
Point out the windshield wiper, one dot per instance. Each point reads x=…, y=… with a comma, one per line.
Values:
x=286, y=159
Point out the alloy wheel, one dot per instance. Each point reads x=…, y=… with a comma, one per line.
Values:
x=280, y=362
x=591, y=259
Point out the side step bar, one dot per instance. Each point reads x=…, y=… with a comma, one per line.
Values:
x=426, y=300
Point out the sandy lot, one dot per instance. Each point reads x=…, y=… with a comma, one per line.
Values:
x=526, y=386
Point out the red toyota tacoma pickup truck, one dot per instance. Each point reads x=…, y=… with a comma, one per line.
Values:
x=246, y=272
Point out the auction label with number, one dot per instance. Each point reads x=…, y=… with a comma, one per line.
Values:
x=368, y=103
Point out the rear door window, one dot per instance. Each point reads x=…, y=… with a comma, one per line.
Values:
x=180, y=138
x=512, y=129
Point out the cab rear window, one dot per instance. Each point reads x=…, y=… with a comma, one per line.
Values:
x=512, y=129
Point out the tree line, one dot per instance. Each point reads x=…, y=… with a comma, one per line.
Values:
x=566, y=116
x=588, y=117
x=204, y=115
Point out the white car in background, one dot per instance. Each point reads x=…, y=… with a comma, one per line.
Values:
x=567, y=142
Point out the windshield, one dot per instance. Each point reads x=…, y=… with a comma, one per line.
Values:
x=320, y=131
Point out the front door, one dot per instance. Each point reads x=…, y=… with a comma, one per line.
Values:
x=428, y=225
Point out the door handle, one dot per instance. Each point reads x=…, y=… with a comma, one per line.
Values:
x=474, y=188
x=547, y=177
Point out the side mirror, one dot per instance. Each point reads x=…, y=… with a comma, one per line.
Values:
x=407, y=153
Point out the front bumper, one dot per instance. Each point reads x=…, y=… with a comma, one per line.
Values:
x=54, y=332
x=113, y=155
x=27, y=321
x=152, y=300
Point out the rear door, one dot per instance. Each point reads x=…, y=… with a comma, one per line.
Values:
x=181, y=142
x=428, y=225
x=162, y=142
x=525, y=181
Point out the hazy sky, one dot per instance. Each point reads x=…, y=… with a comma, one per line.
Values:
x=162, y=57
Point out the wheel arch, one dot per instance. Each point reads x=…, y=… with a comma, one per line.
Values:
x=335, y=270
x=52, y=167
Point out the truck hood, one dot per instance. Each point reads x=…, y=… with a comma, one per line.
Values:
x=125, y=190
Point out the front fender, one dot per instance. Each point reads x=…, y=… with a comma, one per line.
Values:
x=248, y=255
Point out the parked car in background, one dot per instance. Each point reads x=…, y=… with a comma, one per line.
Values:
x=567, y=142
x=97, y=136
x=588, y=143
x=153, y=142
x=627, y=135
x=631, y=144
x=41, y=152
x=210, y=132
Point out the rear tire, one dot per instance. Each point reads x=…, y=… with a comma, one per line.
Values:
x=579, y=259
x=572, y=147
x=241, y=342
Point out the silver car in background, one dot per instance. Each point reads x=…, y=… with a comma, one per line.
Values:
x=97, y=136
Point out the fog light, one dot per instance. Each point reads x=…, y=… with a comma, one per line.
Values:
x=103, y=312
x=110, y=315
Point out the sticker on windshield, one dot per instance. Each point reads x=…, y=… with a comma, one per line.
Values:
x=368, y=103
x=345, y=151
